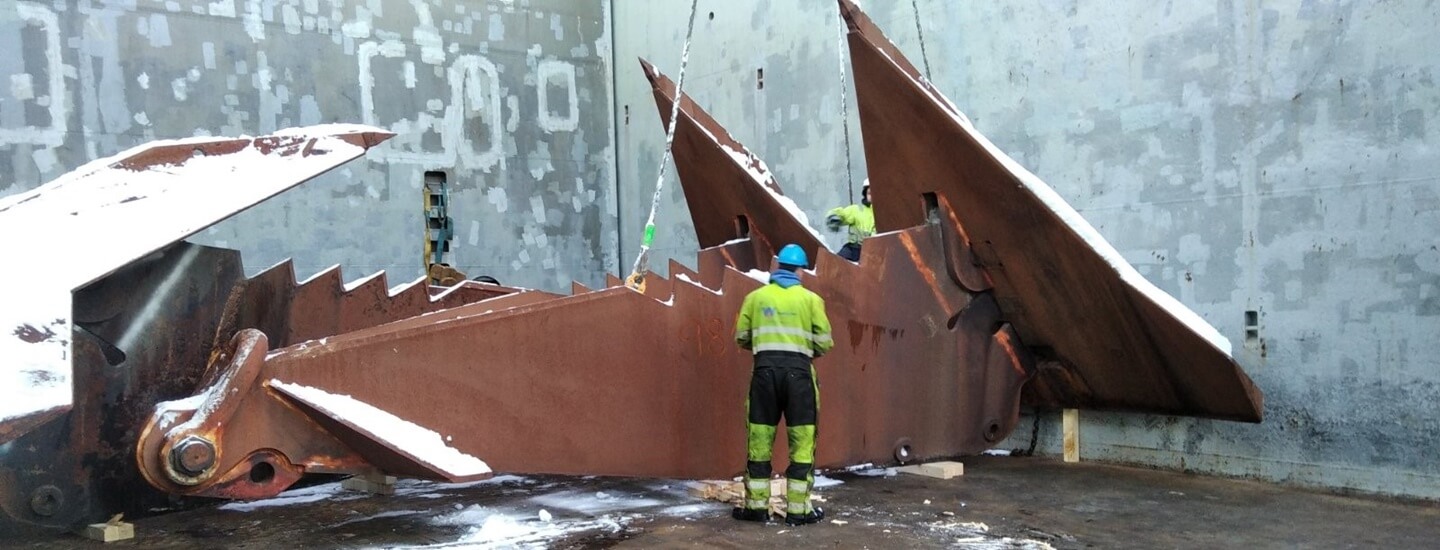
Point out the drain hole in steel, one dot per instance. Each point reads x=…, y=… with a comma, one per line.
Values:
x=903, y=453
x=262, y=473
x=992, y=431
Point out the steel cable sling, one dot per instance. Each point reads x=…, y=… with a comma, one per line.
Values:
x=636, y=280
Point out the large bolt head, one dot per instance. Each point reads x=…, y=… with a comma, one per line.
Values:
x=193, y=455
x=46, y=500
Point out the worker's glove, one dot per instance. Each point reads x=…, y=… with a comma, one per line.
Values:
x=833, y=222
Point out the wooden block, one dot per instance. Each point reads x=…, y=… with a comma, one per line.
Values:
x=701, y=490
x=110, y=532
x=721, y=491
x=1070, y=424
x=941, y=470
x=371, y=483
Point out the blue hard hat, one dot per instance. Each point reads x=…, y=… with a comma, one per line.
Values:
x=792, y=254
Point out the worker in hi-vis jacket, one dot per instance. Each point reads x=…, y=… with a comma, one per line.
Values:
x=784, y=324
x=860, y=218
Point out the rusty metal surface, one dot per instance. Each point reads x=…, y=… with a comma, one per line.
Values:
x=290, y=313
x=80, y=466
x=658, y=397
x=1102, y=343
x=147, y=332
x=617, y=382
x=728, y=189
x=115, y=211
x=86, y=461
x=21, y=425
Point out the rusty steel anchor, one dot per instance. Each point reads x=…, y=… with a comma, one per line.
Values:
x=968, y=294
x=934, y=348
x=616, y=382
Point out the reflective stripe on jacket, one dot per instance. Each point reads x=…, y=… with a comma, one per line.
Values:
x=784, y=319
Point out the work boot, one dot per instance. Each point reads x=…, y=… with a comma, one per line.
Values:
x=795, y=520
x=746, y=514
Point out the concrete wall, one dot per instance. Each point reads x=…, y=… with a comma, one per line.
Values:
x=513, y=98
x=1278, y=157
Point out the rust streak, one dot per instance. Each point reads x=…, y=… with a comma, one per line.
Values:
x=920, y=264
x=1003, y=338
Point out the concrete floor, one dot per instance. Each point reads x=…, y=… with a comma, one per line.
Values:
x=1000, y=502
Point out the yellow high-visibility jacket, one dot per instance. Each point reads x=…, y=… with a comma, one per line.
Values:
x=859, y=218
x=774, y=318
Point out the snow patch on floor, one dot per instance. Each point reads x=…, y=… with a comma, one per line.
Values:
x=381, y=515
x=592, y=503
x=420, y=488
x=491, y=528
x=976, y=536
x=328, y=491
x=694, y=510
x=877, y=472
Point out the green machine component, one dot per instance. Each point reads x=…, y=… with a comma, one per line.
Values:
x=439, y=230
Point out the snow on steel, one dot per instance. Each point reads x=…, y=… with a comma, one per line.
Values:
x=1108, y=338
x=115, y=210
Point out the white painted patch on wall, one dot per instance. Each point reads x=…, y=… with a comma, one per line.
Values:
x=409, y=69
x=54, y=134
x=254, y=24
x=474, y=233
x=427, y=37
x=291, y=18
x=497, y=28
x=143, y=80
x=537, y=208
x=469, y=96
x=263, y=75
x=496, y=196
x=222, y=8
x=540, y=166
x=557, y=26
x=45, y=159
x=142, y=119
x=310, y=111
x=1193, y=252
x=554, y=71
x=159, y=31
x=360, y=27
x=512, y=103
x=22, y=86
x=207, y=52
